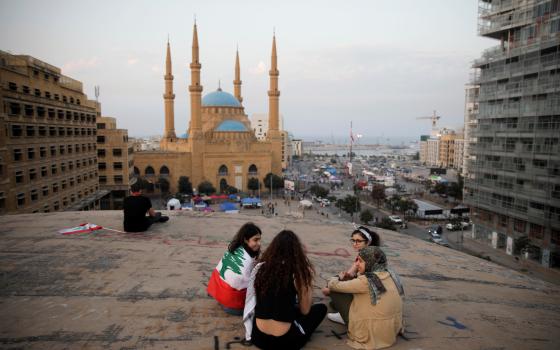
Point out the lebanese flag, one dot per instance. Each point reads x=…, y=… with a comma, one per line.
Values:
x=229, y=280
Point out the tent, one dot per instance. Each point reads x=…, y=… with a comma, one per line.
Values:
x=305, y=203
x=229, y=207
x=251, y=202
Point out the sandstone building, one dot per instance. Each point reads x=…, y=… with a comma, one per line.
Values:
x=220, y=145
x=47, y=139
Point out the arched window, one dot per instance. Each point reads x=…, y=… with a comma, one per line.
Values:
x=223, y=185
x=253, y=169
x=164, y=170
x=149, y=170
x=223, y=171
x=136, y=171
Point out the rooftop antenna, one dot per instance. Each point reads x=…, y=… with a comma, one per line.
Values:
x=219, y=85
x=96, y=87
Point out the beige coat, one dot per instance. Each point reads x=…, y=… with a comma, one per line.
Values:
x=371, y=326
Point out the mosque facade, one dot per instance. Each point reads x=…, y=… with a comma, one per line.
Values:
x=219, y=145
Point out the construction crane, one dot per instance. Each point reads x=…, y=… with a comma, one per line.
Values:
x=434, y=119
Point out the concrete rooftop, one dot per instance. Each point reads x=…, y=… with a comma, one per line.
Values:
x=130, y=291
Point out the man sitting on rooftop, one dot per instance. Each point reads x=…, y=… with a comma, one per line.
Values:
x=135, y=208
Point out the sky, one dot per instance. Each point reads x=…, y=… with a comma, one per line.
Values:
x=379, y=64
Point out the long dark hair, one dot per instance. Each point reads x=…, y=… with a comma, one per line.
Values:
x=375, y=239
x=285, y=262
x=246, y=231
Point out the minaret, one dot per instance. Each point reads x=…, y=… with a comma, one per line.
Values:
x=273, y=112
x=169, y=97
x=237, y=81
x=195, y=88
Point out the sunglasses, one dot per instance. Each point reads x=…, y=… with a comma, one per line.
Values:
x=354, y=241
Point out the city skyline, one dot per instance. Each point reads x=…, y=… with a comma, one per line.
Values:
x=380, y=65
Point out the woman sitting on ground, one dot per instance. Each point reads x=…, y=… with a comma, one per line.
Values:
x=375, y=317
x=361, y=237
x=284, y=317
x=229, y=280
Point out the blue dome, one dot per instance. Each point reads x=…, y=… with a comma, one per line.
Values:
x=220, y=98
x=231, y=125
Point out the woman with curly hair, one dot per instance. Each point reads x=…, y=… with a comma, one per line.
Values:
x=375, y=317
x=229, y=280
x=283, y=314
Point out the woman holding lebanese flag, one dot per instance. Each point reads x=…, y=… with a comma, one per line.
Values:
x=229, y=280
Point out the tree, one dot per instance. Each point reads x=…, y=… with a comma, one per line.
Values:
x=416, y=156
x=366, y=216
x=253, y=184
x=185, y=185
x=440, y=188
x=393, y=203
x=163, y=184
x=277, y=181
x=351, y=204
x=455, y=189
x=386, y=223
x=232, y=261
x=319, y=191
x=378, y=194
x=408, y=206
x=206, y=187
x=143, y=183
x=230, y=190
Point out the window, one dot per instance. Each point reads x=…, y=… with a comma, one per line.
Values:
x=31, y=153
x=102, y=179
x=37, y=92
x=17, y=130
x=45, y=191
x=71, y=165
x=53, y=151
x=56, y=205
x=164, y=170
x=47, y=94
x=60, y=114
x=18, y=155
x=536, y=231
x=51, y=113
x=101, y=166
x=100, y=139
x=118, y=179
x=539, y=163
x=64, y=98
x=223, y=170
x=12, y=86
x=44, y=171
x=100, y=126
x=52, y=131
x=68, y=115
x=69, y=131
x=32, y=174
x=71, y=182
x=53, y=169
x=42, y=151
x=253, y=169
x=63, y=167
x=28, y=110
x=69, y=147
x=34, y=195
x=65, y=201
x=41, y=111
x=101, y=153
x=30, y=130
x=149, y=170
x=78, y=101
x=117, y=166
x=55, y=187
x=117, y=152
x=63, y=184
x=2, y=200
x=61, y=149
x=77, y=148
x=14, y=109
x=71, y=99
x=19, y=177
x=42, y=131
x=20, y=199
x=56, y=97
x=61, y=131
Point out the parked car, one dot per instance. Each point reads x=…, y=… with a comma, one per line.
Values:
x=453, y=226
x=326, y=202
x=395, y=219
x=435, y=231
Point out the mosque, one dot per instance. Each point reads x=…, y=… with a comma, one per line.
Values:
x=219, y=145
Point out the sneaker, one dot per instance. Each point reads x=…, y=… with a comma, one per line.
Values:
x=335, y=317
x=164, y=219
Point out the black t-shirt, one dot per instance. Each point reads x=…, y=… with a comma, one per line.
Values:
x=135, y=209
x=280, y=308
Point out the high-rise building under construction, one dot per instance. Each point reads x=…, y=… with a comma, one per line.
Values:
x=513, y=165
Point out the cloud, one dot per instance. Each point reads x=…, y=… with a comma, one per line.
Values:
x=80, y=64
x=132, y=60
x=259, y=69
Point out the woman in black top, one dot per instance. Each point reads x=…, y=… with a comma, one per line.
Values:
x=284, y=316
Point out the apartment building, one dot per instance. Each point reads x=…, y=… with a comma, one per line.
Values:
x=115, y=162
x=47, y=146
x=513, y=182
x=471, y=115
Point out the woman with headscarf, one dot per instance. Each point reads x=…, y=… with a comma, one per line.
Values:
x=375, y=317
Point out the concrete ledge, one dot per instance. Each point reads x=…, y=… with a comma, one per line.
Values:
x=112, y=290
